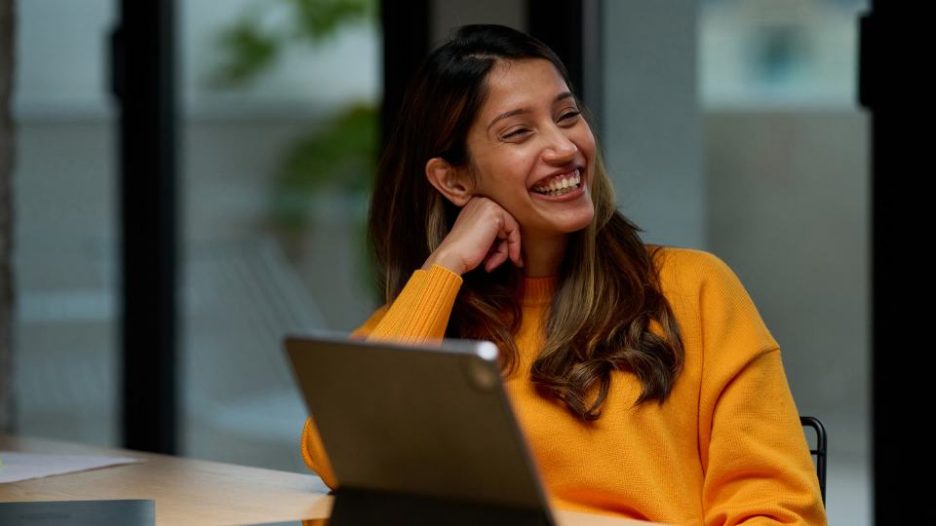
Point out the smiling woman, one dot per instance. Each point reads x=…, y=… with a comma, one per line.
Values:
x=643, y=376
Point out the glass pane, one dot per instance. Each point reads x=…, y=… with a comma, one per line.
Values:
x=787, y=172
x=278, y=148
x=66, y=332
x=732, y=126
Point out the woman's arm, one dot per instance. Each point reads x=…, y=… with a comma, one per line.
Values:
x=419, y=314
x=754, y=453
x=421, y=311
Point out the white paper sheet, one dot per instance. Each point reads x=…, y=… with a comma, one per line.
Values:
x=24, y=466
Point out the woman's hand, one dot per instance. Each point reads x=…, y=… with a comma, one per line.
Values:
x=483, y=233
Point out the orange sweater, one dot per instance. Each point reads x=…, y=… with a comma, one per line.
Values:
x=727, y=447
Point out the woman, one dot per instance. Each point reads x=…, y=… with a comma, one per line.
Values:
x=643, y=377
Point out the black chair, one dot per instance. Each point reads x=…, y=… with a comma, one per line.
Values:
x=820, y=450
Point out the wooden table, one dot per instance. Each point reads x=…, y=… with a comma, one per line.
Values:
x=193, y=492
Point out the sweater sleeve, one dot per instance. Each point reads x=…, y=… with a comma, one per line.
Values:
x=758, y=469
x=419, y=314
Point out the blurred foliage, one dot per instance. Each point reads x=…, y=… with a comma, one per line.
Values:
x=337, y=156
x=247, y=51
x=319, y=19
x=342, y=157
x=252, y=44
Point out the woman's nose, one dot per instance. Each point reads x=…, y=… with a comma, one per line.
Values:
x=560, y=148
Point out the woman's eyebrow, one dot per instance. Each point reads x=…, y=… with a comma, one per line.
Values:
x=562, y=96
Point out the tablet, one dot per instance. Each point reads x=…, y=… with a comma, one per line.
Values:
x=424, y=420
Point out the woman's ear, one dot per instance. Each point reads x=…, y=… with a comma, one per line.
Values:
x=450, y=181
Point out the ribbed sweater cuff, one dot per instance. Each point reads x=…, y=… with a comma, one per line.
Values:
x=421, y=311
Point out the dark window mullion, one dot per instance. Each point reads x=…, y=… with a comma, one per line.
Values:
x=143, y=62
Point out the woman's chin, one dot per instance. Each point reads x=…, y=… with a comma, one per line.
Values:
x=569, y=222
x=582, y=225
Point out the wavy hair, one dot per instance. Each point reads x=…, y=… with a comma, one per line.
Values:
x=608, y=294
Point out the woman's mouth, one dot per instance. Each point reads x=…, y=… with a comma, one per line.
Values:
x=560, y=185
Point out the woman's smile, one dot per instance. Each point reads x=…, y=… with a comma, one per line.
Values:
x=562, y=187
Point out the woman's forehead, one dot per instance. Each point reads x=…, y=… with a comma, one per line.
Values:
x=518, y=84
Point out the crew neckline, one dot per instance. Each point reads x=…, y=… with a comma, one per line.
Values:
x=537, y=291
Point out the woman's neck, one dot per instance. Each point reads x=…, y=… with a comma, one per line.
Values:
x=542, y=255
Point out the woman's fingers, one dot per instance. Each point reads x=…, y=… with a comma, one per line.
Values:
x=507, y=244
x=497, y=256
x=513, y=240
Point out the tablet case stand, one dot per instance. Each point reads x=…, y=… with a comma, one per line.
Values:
x=367, y=507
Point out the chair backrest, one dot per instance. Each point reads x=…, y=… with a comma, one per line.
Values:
x=819, y=451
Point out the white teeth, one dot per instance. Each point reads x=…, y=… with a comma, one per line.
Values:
x=558, y=184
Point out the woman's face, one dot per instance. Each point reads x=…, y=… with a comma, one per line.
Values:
x=531, y=151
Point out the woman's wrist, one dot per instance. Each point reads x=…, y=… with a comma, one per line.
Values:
x=441, y=258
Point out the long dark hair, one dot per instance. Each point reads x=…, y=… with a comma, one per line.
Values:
x=608, y=291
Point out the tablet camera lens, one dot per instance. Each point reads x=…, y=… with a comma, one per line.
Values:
x=481, y=375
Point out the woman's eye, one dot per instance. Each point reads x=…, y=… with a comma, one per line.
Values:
x=516, y=133
x=569, y=115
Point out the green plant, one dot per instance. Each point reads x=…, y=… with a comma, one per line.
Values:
x=339, y=156
x=253, y=43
